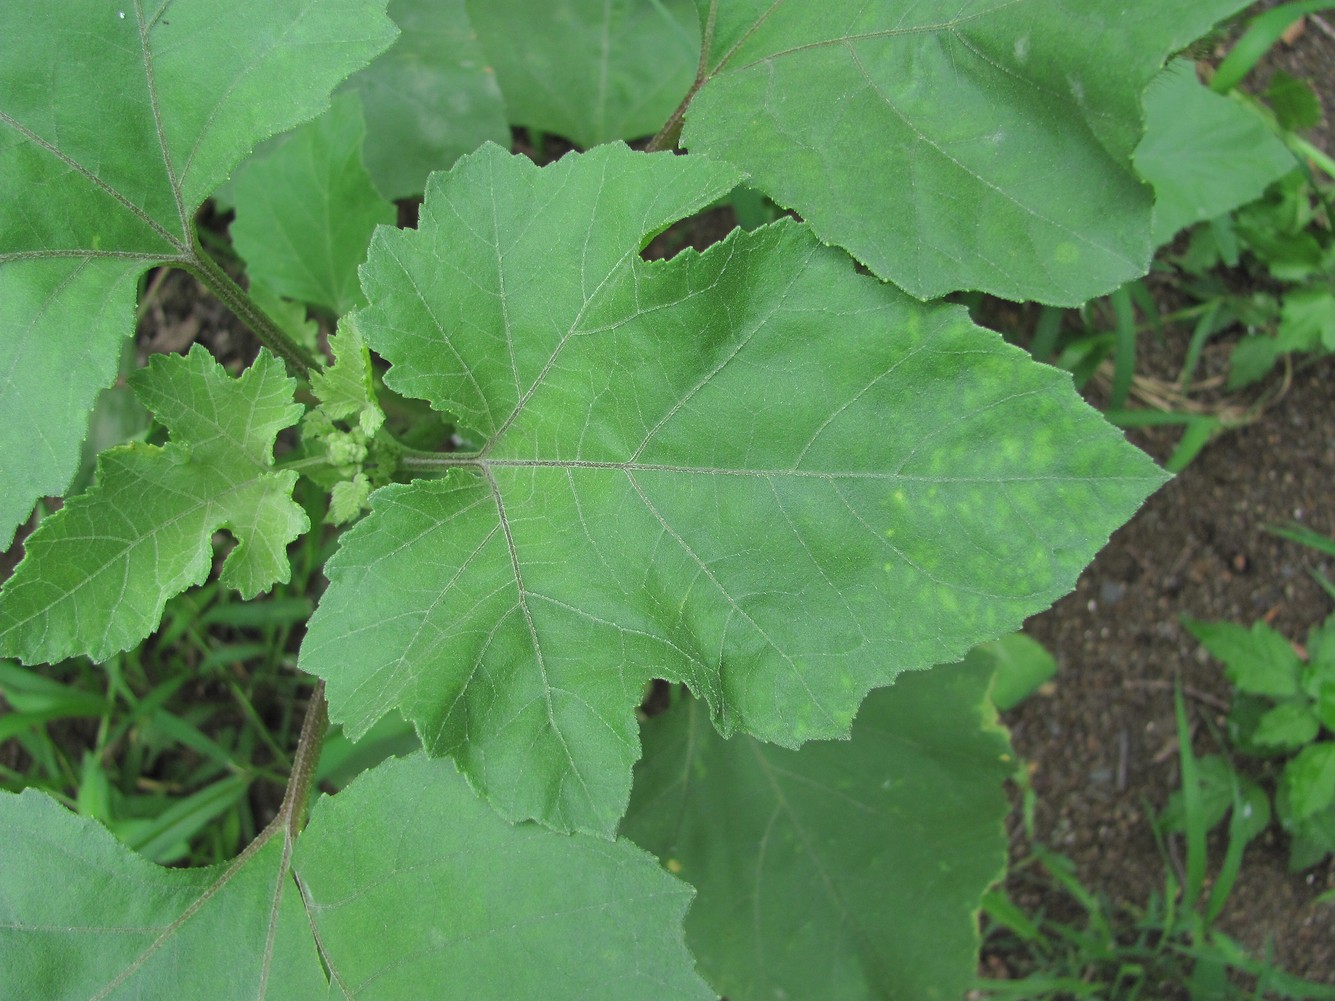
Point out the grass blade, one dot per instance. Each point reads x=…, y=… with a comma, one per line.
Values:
x=1192, y=805
x=1124, y=353
x=1258, y=39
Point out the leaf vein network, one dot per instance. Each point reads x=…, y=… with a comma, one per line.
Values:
x=114, y=193
x=727, y=596
x=918, y=29
x=155, y=110
x=1000, y=192
x=527, y=613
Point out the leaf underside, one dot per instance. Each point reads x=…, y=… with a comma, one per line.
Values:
x=116, y=122
x=402, y=885
x=824, y=873
x=951, y=144
x=751, y=470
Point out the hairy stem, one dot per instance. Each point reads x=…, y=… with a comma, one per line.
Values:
x=292, y=813
x=298, y=358
x=415, y=460
x=670, y=133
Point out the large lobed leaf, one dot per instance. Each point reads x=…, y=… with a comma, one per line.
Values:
x=117, y=120
x=849, y=870
x=430, y=98
x=751, y=470
x=98, y=572
x=403, y=885
x=590, y=70
x=306, y=211
x=949, y=144
x=1204, y=153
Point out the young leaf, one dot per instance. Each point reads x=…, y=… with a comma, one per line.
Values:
x=1205, y=154
x=1259, y=661
x=98, y=573
x=590, y=70
x=345, y=388
x=347, y=396
x=751, y=470
x=844, y=870
x=403, y=885
x=1287, y=727
x=305, y=212
x=430, y=99
x=948, y=145
x=1308, y=784
x=116, y=122
x=1307, y=322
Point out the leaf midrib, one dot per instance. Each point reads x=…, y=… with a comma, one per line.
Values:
x=181, y=243
x=920, y=29
x=483, y=464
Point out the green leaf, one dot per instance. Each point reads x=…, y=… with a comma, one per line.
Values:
x=1265, y=29
x=489, y=909
x=1313, y=840
x=590, y=70
x=60, y=325
x=1294, y=102
x=1251, y=360
x=1307, y=322
x=291, y=317
x=951, y=144
x=84, y=917
x=1259, y=660
x=430, y=99
x=1020, y=664
x=98, y=573
x=345, y=389
x=1204, y=154
x=403, y=885
x=1308, y=784
x=844, y=870
x=306, y=211
x=752, y=470
x=1278, y=231
x=1287, y=727
x=116, y=122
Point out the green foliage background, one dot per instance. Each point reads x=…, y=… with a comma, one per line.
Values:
x=752, y=470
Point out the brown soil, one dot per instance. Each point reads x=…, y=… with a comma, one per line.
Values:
x=1102, y=743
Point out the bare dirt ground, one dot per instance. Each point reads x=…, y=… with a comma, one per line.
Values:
x=1102, y=745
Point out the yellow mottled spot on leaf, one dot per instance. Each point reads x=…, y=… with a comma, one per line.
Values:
x=673, y=866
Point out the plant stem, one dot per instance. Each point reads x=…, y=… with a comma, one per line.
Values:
x=304, y=763
x=670, y=133
x=207, y=270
